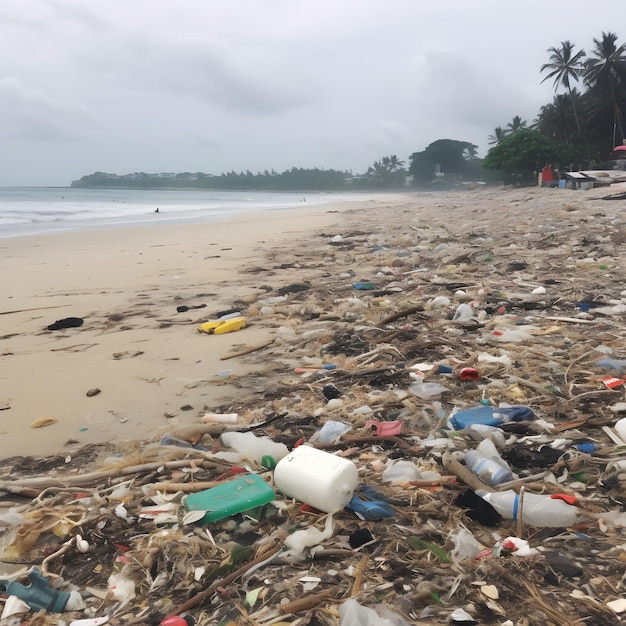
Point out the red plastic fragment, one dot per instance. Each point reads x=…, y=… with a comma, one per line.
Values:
x=469, y=373
x=612, y=382
x=565, y=497
x=173, y=620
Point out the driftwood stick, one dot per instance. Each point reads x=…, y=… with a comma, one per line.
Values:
x=224, y=582
x=303, y=604
x=358, y=579
x=185, y=487
x=399, y=314
x=73, y=480
x=37, y=308
x=18, y=490
x=248, y=350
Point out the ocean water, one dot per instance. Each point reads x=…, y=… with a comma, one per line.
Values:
x=41, y=210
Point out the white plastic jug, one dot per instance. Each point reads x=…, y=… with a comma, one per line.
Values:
x=323, y=480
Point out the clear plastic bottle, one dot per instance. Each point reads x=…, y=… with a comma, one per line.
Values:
x=249, y=446
x=537, y=510
x=488, y=470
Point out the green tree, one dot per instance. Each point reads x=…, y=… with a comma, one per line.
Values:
x=521, y=154
x=449, y=154
x=605, y=72
x=565, y=65
x=388, y=172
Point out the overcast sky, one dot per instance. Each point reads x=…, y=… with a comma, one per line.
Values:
x=217, y=85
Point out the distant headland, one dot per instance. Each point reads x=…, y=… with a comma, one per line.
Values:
x=290, y=180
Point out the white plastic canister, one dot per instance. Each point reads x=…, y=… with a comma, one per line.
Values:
x=320, y=479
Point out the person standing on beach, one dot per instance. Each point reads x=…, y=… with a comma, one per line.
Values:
x=546, y=175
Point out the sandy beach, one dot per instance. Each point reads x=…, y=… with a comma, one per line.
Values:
x=152, y=367
x=147, y=359
x=433, y=311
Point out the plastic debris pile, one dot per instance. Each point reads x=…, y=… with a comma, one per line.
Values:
x=437, y=435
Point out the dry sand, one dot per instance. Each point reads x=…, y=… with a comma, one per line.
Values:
x=147, y=359
x=153, y=368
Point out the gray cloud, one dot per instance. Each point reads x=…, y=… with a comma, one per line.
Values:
x=221, y=85
x=29, y=115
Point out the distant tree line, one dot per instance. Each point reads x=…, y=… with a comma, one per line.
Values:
x=575, y=129
x=290, y=180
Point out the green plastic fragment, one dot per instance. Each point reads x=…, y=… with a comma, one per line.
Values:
x=440, y=553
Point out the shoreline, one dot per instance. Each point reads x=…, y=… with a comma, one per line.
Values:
x=147, y=359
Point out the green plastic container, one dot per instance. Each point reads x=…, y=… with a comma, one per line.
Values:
x=230, y=498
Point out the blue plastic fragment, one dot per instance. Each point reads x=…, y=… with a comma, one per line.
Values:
x=612, y=364
x=370, y=510
x=491, y=416
x=587, y=447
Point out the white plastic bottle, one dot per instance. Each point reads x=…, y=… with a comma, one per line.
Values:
x=537, y=510
x=249, y=446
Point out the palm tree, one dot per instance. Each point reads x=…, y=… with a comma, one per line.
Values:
x=498, y=135
x=555, y=120
x=395, y=164
x=470, y=152
x=605, y=72
x=515, y=124
x=565, y=65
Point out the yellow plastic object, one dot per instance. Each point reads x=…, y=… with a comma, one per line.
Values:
x=219, y=327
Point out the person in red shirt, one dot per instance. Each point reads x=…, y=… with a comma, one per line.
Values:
x=546, y=175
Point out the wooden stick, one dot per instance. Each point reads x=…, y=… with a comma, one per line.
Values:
x=511, y=484
x=18, y=490
x=302, y=604
x=573, y=320
x=520, y=511
x=260, y=346
x=399, y=314
x=38, y=308
x=224, y=582
x=185, y=487
x=94, y=477
x=358, y=579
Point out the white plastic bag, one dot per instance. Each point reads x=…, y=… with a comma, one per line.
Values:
x=351, y=613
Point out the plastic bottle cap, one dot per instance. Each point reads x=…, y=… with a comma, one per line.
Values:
x=565, y=497
x=268, y=461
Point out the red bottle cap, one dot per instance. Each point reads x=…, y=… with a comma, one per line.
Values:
x=469, y=373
